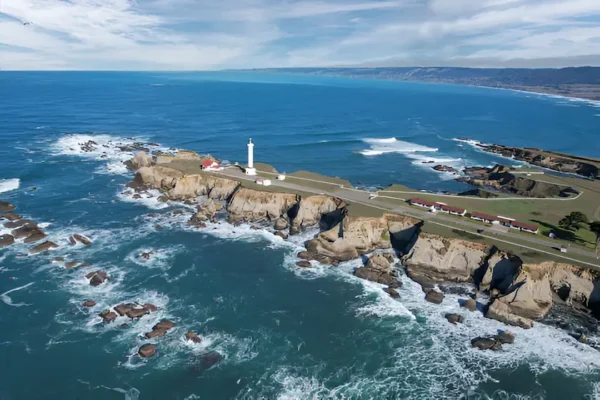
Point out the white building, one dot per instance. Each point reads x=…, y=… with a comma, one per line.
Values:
x=250, y=170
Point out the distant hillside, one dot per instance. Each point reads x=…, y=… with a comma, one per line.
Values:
x=581, y=82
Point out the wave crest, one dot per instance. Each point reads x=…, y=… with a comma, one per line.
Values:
x=6, y=185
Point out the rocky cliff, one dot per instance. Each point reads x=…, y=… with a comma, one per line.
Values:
x=158, y=177
x=249, y=205
x=359, y=235
x=191, y=186
x=434, y=259
x=311, y=209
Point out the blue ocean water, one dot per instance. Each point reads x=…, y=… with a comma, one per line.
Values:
x=282, y=333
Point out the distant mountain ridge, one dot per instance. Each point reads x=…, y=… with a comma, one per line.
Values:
x=580, y=82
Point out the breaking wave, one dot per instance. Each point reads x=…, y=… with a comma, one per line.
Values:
x=6, y=185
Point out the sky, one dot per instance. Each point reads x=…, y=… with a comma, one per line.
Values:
x=240, y=34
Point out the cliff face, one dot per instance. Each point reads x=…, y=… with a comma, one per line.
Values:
x=311, y=209
x=249, y=205
x=201, y=185
x=434, y=258
x=359, y=235
x=157, y=177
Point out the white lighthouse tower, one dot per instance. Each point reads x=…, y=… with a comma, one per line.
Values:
x=250, y=169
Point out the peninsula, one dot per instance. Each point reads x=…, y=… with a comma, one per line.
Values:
x=521, y=281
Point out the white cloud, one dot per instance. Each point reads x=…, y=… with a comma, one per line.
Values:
x=208, y=34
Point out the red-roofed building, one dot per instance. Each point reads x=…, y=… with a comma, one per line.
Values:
x=423, y=203
x=523, y=227
x=438, y=206
x=452, y=210
x=210, y=165
x=490, y=219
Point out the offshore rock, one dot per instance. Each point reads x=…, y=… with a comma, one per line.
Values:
x=19, y=223
x=6, y=207
x=132, y=310
x=43, y=247
x=193, y=337
x=97, y=277
x=434, y=259
x=470, y=305
x=6, y=240
x=108, y=316
x=89, y=303
x=282, y=235
x=147, y=350
x=505, y=337
x=304, y=264
x=454, y=318
x=435, y=297
x=249, y=205
x=483, y=343
x=160, y=329
x=392, y=292
x=82, y=239
x=11, y=216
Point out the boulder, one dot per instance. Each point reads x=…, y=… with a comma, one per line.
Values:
x=82, y=239
x=469, y=304
x=294, y=230
x=89, y=303
x=304, y=255
x=434, y=296
x=6, y=240
x=160, y=329
x=280, y=224
x=151, y=307
x=147, y=350
x=438, y=259
x=132, y=310
x=454, y=318
x=505, y=337
x=581, y=338
x=500, y=311
x=146, y=255
x=248, y=205
x=483, y=343
x=108, y=316
x=304, y=264
x=191, y=336
x=207, y=211
x=281, y=234
x=72, y=241
x=392, y=292
x=378, y=270
x=391, y=258
x=6, y=207
x=43, y=247
x=97, y=277
x=35, y=236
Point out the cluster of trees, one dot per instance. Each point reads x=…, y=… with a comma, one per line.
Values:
x=576, y=220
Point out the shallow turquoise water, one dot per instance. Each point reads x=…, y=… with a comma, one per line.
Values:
x=282, y=333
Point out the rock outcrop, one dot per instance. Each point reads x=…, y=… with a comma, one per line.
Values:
x=43, y=247
x=206, y=211
x=191, y=186
x=108, y=316
x=6, y=207
x=312, y=208
x=193, y=337
x=147, y=350
x=89, y=303
x=160, y=329
x=500, y=311
x=355, y=236
x=378, y=269
x=6, y=240
x=132, y=310
x=454, y=318
x=500, y=271
x=434, y=259
x=139, y=160
x=248, y=205
x=97, y=277
x=157, y=177
x=434, y=296
x=486, y=343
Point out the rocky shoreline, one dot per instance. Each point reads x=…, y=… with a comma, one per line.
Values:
x=519, y=294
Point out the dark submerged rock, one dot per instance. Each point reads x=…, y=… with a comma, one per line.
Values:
x=304, y=264
x=82, y=239
x=6, y=207
x=6, y=240
x=43, y=247
x=483, y=343
x=454, y=318
x=505, y=337
x=108, y=316
x=97, y=277
x=160, y=329
x=89, y=303
x=393, y=293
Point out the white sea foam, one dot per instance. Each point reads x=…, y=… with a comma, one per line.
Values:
x=148, y=199
x=8, y=301
x=6, y=185
x=393, y=145
x=158, y=258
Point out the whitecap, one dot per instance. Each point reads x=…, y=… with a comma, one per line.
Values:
x=8, y=301
x=6, y=185
x=393, y=145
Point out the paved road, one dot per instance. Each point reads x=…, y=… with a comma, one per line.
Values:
x=362, y=197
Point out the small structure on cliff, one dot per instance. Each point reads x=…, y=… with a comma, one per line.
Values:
x=210, y=165
x=250, y=170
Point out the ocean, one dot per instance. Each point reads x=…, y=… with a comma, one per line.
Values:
x=282, y=333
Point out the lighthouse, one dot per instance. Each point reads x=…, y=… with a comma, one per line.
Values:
x=250, y=169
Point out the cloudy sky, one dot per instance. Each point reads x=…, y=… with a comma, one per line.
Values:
x=216, y=34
